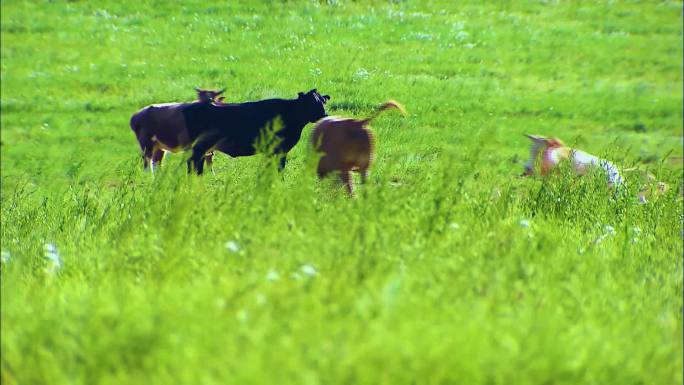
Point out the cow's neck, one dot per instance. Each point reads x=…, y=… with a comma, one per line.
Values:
x=294, y=118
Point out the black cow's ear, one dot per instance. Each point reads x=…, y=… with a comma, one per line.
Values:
x=301, y=95
x=326, y=97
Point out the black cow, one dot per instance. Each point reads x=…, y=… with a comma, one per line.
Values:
x=235, y=128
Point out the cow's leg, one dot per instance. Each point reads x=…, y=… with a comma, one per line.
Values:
x=147, y=158
x=157, y=157
x=325, y=166
x=199, y=151
x=196, y=162
x=322, y=173
x=364, y=175
x=209, y=158
x=147, y=146
x=345, y=175
x=146, y=161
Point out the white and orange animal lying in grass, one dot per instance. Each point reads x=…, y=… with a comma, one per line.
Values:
x=553, y=151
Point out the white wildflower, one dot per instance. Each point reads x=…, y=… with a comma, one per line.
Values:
x=52, y=255
x=5, y=256
x=232, y=246
x=462, y=36
x=524, y=223
x=272, y=276
x=360, y=74
x=600, y=238
x=308, y=270
x=609, y=230
x=637, y=232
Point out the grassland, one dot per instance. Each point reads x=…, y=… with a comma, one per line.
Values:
x=447, y=268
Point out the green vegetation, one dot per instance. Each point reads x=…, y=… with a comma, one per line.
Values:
x=447, y=268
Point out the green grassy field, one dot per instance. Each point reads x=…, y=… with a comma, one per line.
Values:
x=446, y=268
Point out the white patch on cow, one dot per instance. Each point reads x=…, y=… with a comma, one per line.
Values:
x=333, y=119
x=164, y=104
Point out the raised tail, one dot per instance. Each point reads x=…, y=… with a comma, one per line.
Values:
x=386, y=106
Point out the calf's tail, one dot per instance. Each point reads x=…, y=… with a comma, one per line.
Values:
x=386, y=106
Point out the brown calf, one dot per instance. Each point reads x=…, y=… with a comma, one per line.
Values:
x=161, y=127
x=347, y=145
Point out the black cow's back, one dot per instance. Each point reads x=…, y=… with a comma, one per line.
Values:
x=239, y=125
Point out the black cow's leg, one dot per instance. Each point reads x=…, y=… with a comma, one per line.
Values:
x=196, y=162
x=199, y=151
x=157, y=157
x=209, y=159
x=148, y=151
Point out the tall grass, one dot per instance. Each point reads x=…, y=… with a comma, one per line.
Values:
x=445, y=268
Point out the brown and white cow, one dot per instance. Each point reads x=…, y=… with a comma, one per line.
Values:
x=161, y=127
x=347, y=145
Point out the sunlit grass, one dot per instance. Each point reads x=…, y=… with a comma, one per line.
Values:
x=446, y=267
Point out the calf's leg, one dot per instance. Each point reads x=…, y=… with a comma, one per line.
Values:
x=364, y=175
x=345, y=175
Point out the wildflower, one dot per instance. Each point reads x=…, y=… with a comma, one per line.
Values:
x=272, y=276
x=524, y=223
x=5, y=257
x=462, y=36
x=232, y=246
x=637, y=232
x=52, y=255
x=361, y=73
x=609, y=230
x=308, y=270
x=454, y=225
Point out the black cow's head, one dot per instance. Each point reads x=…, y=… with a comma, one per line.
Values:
x=314, y=105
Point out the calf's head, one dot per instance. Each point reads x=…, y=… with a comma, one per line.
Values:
x=313, y=105
x=207, y=95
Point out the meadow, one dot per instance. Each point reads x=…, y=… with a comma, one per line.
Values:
x=446, y=268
